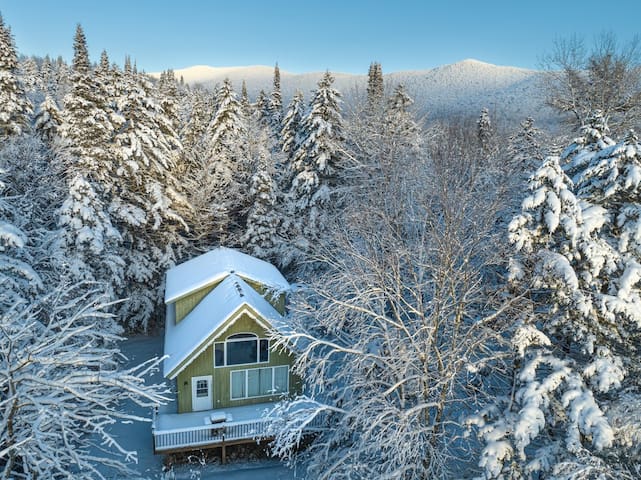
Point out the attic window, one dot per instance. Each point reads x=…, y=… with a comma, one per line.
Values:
x=241, y=349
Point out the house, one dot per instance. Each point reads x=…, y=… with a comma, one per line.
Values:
x=225, y=370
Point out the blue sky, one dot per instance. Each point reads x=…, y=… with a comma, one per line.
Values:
x=343, y=36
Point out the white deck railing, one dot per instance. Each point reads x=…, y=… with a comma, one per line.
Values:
x=214, y=434
x=202, y=435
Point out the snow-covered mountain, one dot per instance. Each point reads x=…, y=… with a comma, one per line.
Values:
x=462, y=88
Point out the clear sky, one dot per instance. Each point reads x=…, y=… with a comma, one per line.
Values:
x=304, y=35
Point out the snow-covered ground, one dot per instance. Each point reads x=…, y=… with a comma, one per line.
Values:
x=137, y=436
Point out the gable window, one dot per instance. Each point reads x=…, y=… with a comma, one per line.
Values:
x=259, y=382
x=241, y=349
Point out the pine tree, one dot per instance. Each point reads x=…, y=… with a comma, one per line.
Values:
x=48, y=119
x=315, y=165
x=485, y=132
x=261, y=233
x=147, y=207
x=291, y=125
x=575, y=350
x=375, y=89
x=87, y=248
x=525, y=147
x=401, y=136
x=262, y=109
x=244, y=100
x=19, y=282
x=223, y=173
x=276, y=103
x=14, y=106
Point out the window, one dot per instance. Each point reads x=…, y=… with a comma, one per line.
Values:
x=219, y=354
x=259, y=382
x=202, y=388
x=241, y=349
x=238, y=384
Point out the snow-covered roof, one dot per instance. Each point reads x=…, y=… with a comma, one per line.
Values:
x=198, y=329
x=216, y=265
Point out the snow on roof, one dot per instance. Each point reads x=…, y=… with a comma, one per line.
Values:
x=215, y=265
x=190, y=336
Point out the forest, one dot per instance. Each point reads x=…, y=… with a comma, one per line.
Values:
x=467, y=299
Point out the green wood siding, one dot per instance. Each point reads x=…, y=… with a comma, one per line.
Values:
x=186, y=304
x=204, y=365
x=277, y=301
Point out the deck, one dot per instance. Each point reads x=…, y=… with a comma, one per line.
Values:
x=174, y=432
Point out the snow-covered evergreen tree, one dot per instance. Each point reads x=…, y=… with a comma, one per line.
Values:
x=576, y=250
x=14, y=106
x=261, y=237
x=315, y=165
x=48, y=119
x=401, y=127
x=375, y=89
x=276, y=103
x=147, y=207
x=485, y=132
x=289, y=134
x=169, y=97
x=244, y=100
x=262, y=108
x=221, y=176
x=87, y=247
x=18, y=280
x=525, y=147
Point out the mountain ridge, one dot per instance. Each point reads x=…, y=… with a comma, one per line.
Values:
x=462, y=88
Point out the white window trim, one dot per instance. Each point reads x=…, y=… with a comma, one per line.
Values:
x=247, y=397
x=258, y=340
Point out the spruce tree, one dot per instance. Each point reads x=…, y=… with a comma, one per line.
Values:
x=244, y=100
x=223, y=174
x=14, y=106
x=401, y=135
x=262, y=109
x=485, y=132
x=289, y=134
x=375, y=89
x=576, y=355
x=169, y=97
x=48, y=119
x=315, y=165
x=147, y=204
x=276, y=103
x=87, y=248
x=525, y=147
x=19, y=282
x=261, y=232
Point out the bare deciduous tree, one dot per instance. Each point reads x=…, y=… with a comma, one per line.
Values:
x=396, y=340
x=606, y=77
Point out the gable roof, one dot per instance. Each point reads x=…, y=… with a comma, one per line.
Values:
x=216, y=265
x=192, y=335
